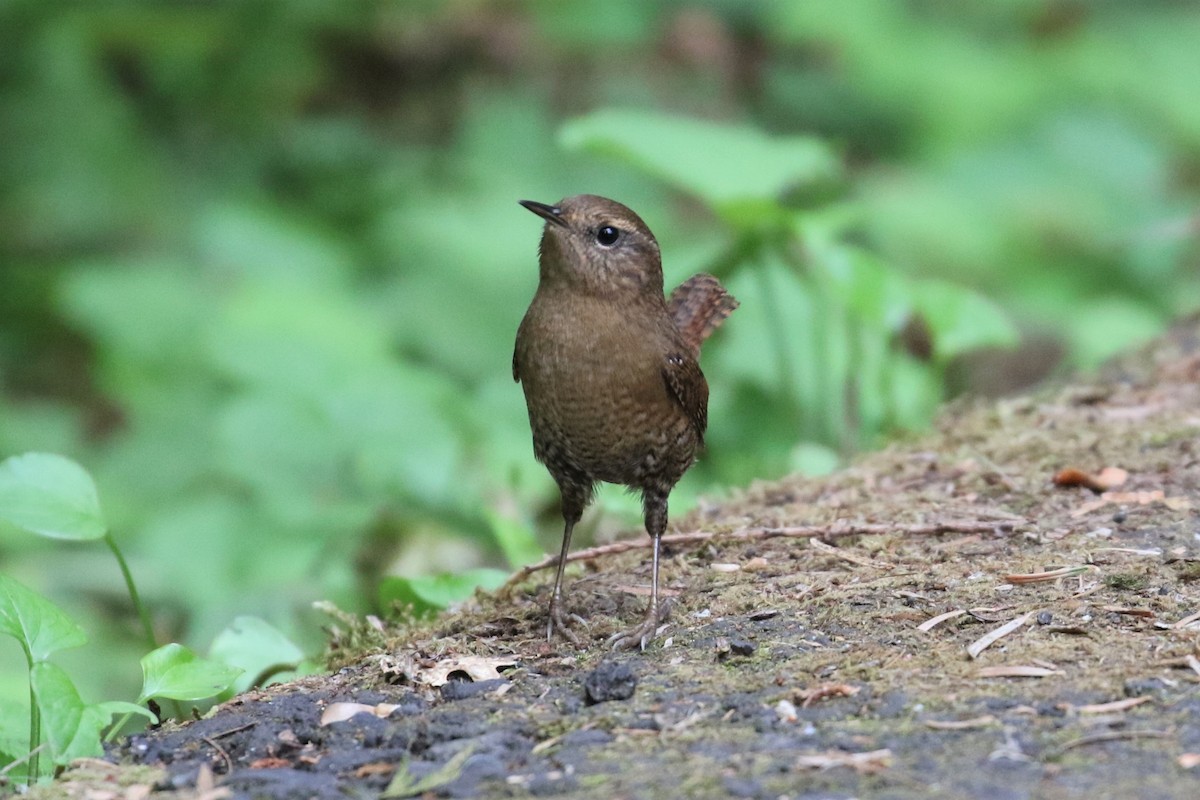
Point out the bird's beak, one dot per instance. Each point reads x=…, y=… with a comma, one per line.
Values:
x=549, y=213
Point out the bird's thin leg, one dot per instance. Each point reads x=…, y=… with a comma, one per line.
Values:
x=655, y=504
x=556, y=599
x=575, y=497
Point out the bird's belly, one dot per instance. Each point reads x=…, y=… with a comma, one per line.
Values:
x=613, y=427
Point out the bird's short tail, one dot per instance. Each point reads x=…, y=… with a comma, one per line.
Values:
x=699, y=305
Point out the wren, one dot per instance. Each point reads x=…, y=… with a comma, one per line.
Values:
x=611, y=372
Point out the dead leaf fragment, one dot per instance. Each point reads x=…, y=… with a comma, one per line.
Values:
x=930, y=624
x=1113, y=707
x=825, y=690
x=865, y=763
x=375, y=768
x=1105, y=479
x=1129, y=612
x=476, y=668
x=1189, y=760
x=1049, y=575
x=1016, y=671
x=990, y=638
x=340, y=712
x=960, y=724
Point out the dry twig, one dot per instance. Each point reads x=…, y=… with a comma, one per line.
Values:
x=834, y=530
x=1110, y=736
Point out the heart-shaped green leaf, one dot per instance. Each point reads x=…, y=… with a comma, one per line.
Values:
x=36, y=622
x=175, y=672
x=50, y=495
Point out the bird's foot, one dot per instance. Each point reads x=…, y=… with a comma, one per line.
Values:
x=640, y=635
x=559, y=623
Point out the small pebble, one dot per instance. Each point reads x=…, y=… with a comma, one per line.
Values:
x=742, y=647
x=609, y=681
x=1044, y=618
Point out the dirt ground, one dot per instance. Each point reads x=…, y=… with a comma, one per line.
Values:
x=798, y=667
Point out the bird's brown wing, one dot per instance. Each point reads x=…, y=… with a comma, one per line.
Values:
x=516, y=374
x=686, y=383
x=698, y=306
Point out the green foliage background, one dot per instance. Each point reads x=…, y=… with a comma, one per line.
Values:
x=261, y=264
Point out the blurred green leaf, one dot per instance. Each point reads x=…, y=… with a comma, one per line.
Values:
x=71, y=727
x=874, y=291
x=291, y=339
x=255, y=646
x=813, y=460
x=261, y=243
x=51, y=496
x=176, y=673
x=430, y=593
x=1106, y=326
x=726, y=165
x=961, y=320
x=146, y=314
x=34, y=621
x=515, y=538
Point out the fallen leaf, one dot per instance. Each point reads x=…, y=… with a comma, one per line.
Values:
x=990, y=638
x=960, y=724
x=375, y=768
x=476, y=668
x=1132, y=612
x=1049, y=575
x=1016, y=671
x=811, y=696
x=866, y=763
x=1110, y=708
x=340, y=712
x=1105, y=479
x=932, y=623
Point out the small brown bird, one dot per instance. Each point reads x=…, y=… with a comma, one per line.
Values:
x=610, y=371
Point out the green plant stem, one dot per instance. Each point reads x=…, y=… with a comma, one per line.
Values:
x=117, y=726
x=143, y=614
x=35, y=724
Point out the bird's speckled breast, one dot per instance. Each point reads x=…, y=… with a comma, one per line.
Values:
x=603, y=406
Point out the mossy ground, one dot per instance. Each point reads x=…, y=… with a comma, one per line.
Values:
x=836, y=625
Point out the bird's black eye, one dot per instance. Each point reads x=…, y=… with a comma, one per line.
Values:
x=607, y=236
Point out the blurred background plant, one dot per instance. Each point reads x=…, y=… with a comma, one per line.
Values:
x=261, y=264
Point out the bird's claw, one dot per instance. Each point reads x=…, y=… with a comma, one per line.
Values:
x=558, y=623
x=641, y=635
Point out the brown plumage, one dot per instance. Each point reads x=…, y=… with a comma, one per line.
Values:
x=610, y=369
